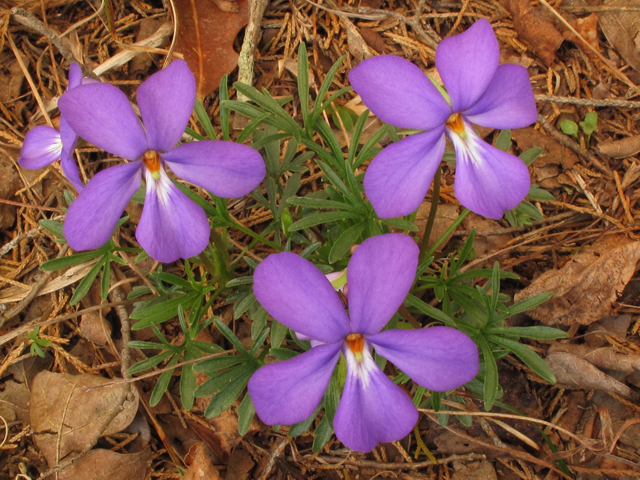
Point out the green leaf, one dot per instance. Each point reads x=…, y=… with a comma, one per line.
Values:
x=87, y=281
x=259, y=318
x=219, y=382
x=590, y=123
x=430, y=311
x=569, y=127
x=322, y=434
x=211, y=366
x=150, y=362
x=244, y=304
x=105, y=281
x=537, y=193
x=528, y=356
x=503, y=142
x=536, y=332
x=529, y=156
x=490, y=374
x=172, y=279
x=278, y=332
x=283, y=353
x=345, y=241
x=223, y=94
x=163, y=383
x=188, y=382
x=312, y=202
x=223, y=400
x=529, y=303
x=321, y=218
x=70, y=261
x=52, y=227
x=400, y=223
x=303, y=81
x=229, y=335
x=246, y=412
x=204, y=120
x=160, y=312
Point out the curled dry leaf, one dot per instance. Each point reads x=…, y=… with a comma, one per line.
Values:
x=623, y=148
x=621, y=29
x=587, y=285
x=602, y=357
x=573, y=371
x=205, y=38
x=66, y=406
x=102, y=464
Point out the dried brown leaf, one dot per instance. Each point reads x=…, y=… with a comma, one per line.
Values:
x=587, y=285
x=64, y=405
x=623, y=148
x=445, y=216
x=535, y=29
x=102, y=464
x=240, y=465
x=199, y=464
x=205, y=37
x=621, y=29
x=573, y=371
x=602, y=357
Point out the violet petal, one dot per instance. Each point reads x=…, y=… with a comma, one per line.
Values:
x=467, y=62
x=101, y=114
x=171, y=226
x=75, y=76
x=372, y=409
x=380, y=275
x=42, y=146
x=226, y=169
x=288, y=392
x=67, y=162
x=93, y=215
x=297, y=294
x=488, y=181
x=399, y=93
x=508, y=101
x=438, y=358
x=166, y=101
x=399, y=177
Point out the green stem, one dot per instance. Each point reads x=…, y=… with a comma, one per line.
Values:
x=435, y=196
x=206, y=263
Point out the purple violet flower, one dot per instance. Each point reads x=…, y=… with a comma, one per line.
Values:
x=372, y=409
x=488, y=181
x=44, y=145
x=171, y=226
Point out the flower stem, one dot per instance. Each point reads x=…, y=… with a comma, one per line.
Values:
x=435, y=195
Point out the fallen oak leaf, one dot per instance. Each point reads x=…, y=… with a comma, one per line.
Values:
x=623, y=148
x=206, y=34
x=68, y=416
x=100, y=464
x=587, y=285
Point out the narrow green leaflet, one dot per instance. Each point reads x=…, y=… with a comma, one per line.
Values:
x=246, y=412
x=223, y=400
x=528, y=356
x=490, y=374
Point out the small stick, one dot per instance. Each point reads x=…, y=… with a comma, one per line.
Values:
x=248, y=51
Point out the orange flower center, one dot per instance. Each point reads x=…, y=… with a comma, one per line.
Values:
x=455, y=123
x=355, y=341
x=152, y=162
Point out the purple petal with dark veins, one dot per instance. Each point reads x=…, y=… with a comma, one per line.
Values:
x=297, y=294
x=42, y=146
x=380, y=275
x=488, y=181
x=288, y=392
x=372, y=409
x=166, y=101
x=508, y=101
x=226, y=169
x=467, y=63
x=171, y=225
x=399, y=93
x=102, y=115
x=399, y=177
x=93, y=215
x=438, y=358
